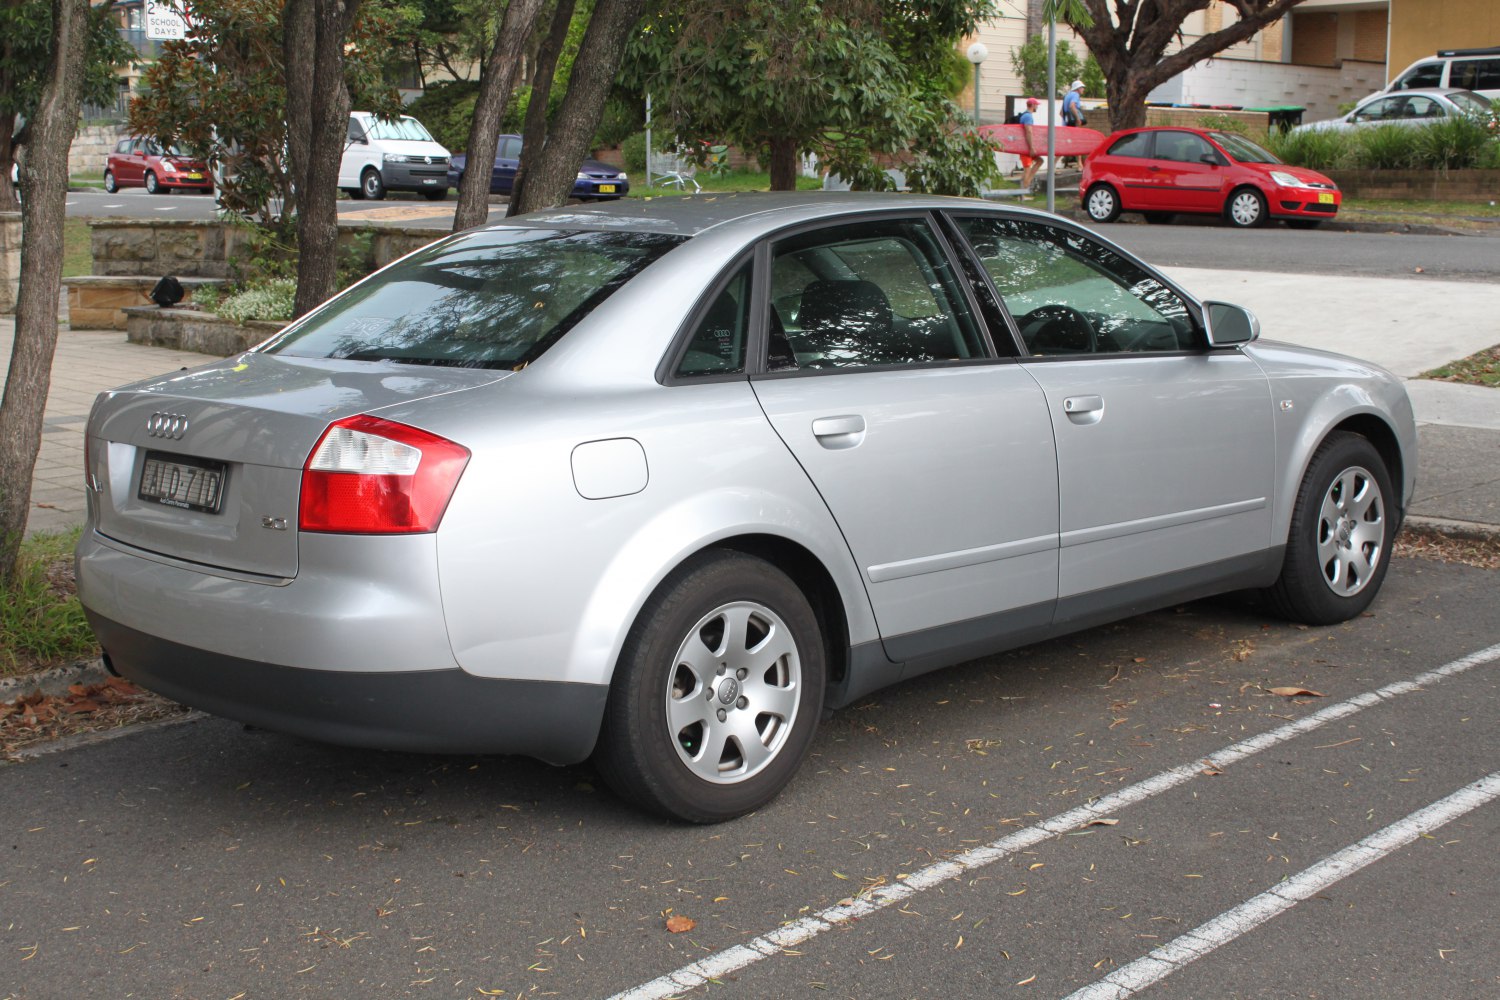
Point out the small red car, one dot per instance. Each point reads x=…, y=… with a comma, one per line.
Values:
x=143, y=163
x=1165, y=171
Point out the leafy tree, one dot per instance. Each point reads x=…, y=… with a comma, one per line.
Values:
x=861, y=83
x=26, y=27
x=1029, y=62
x=1130, y=40
x=45, y=177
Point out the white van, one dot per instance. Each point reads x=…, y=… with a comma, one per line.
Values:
x=1466, y=69
x=400, y=155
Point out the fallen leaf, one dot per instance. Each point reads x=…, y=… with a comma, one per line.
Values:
x=1212, y=772
x=1296, y=692
x=1102, y=822
x=680, y=925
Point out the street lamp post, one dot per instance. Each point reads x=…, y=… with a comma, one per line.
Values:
x=977, y=54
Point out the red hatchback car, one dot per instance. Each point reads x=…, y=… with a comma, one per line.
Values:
x=1165, y=171
x=143, y=163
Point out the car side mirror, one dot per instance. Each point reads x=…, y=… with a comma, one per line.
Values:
x=1228, y=325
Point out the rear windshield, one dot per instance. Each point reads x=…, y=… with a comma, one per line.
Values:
x=495, y=299
x=1470, y=104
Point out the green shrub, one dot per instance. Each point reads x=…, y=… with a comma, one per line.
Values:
x=1452, y=144
x=1315, y=150
x=1386, y=147
x=270, y=300
x=621, y=120
x=633, y=153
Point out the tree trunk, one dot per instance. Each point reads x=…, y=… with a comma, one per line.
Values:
x=534, y=133
x=551, y=170
x=783, y=164
x=42, y=215
x=317, y=128
x=496, y=81
x=8, y=200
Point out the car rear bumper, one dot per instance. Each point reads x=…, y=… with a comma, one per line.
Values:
x=429, y=711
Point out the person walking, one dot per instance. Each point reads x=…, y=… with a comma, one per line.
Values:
x=1031, y=160
x=1072, y=110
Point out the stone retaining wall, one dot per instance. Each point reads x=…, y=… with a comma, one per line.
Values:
x=91, y=146
x=98, y=301
x=10, y=261
x=1432, y=185
x=192, y=330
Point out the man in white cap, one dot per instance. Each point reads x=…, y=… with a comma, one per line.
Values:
x=1072, y=106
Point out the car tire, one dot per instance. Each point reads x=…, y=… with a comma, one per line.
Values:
x=1159, y=218
x=153, y=186
x=438, y=195
x=370, y=184
x=1303, y=223
x=354, y=193
x=1246, y=208
x=1102, y=203
x=717, y=694
x=110, y=184
x=1343, y=527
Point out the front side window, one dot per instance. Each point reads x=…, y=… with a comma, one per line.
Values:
x=1070, y=295
x=1425, y=75
x=1137, y=144
x=495, y=299
x=855, y=296
x=1382, y=110
x=1183, y=147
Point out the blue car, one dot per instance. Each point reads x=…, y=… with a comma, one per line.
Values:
x=596, y=181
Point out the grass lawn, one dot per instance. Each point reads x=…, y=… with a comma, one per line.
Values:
x=1477, y=369
x=41, y=621
x=1458, y=214
x=77, y=256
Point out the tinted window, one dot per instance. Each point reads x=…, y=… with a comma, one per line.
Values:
x=1475, y=74
x=495, y=299
x=1183, y=147
x=510, y=148
x=1425, y=75
x=1418, y=106
x=1135, y=144
x=1070, y=295
x=880, y=293
x=1471, y=104
x=717, y=346
x=1384, y=109
x=356, y=133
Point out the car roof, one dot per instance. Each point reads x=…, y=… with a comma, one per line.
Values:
x=692, y=215
x=1423, y=91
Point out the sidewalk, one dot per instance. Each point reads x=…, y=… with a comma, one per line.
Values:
x=1458, y=480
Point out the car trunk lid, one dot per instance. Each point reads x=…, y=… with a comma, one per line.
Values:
x=206, y=465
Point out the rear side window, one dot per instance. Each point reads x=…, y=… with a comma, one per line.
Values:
x=495, y=299
x=1425, y=75
x=1137, y=144
x=1475, y=74
x=718, y=344
x=1183, y=147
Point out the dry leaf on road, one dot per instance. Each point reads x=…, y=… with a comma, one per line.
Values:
x=679, y=925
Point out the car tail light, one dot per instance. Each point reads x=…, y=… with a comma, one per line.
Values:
x=369, y=476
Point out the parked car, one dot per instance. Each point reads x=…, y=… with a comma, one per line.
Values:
x=1166, y=171
x=596, y=181
x=400, y=155
x=144, y=163
x=1412, y=108
x=1476, y=70
x=658, y=483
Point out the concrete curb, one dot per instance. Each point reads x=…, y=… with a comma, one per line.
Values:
x=55, y=681
x=1468, y=530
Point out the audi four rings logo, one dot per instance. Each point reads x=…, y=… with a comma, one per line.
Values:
x=167, y=425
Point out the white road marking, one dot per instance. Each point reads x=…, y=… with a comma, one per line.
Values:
x=790, y=935
x=1128, y=980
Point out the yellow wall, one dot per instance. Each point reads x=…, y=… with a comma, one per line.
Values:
x=1422, y=27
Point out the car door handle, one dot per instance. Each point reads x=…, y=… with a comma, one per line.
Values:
x=1084, y=409
x=835, y=433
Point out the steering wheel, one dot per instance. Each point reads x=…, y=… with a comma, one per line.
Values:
x=1058, y=329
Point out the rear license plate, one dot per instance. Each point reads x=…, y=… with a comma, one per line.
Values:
x=1325, y=199
x=178, y=481
x=606, y=189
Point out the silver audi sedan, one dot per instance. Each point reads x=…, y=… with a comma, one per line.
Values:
x=659, y=483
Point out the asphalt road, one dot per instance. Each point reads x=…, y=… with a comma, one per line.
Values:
x=1191, y=243
x=207, y=860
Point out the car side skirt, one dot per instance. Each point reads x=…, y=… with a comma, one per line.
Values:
x=426, y=711
x=946, y=645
